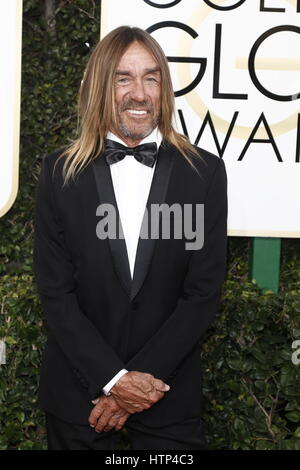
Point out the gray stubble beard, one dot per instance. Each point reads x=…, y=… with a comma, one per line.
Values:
x=123, y=129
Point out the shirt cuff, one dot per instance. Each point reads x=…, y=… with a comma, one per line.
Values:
x=111, y=383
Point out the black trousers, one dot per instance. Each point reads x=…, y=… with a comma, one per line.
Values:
x=187, y=435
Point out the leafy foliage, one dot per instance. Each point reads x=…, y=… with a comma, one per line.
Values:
x=251, y=385
x=52, y=66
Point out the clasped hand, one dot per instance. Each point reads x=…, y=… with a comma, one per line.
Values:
x=134, y=392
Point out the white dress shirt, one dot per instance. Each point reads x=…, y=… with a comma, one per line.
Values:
x=131, y=182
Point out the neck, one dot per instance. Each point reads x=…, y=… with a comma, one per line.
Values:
x=129, y=141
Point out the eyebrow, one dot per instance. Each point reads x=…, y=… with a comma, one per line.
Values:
x=153, y=70
x=147, y=71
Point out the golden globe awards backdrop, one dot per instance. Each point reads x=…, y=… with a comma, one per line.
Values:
x=10, y=80
x=236, y=70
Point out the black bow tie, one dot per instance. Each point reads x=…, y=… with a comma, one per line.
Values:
x=145, y=153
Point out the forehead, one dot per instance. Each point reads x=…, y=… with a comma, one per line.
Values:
x=137, y=56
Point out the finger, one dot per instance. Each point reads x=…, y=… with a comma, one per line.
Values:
x=112, y=422
x=120, y=424
x=161, y=386
x=102, y=422
x=95, y=414
x=155, y=397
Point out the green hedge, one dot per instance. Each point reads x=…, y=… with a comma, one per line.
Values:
x=251, y=385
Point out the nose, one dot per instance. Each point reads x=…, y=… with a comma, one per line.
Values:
x=137, y=91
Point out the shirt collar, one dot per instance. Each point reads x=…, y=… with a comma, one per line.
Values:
x=155, y=136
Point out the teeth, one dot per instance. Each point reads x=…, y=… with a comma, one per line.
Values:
x=135, y=111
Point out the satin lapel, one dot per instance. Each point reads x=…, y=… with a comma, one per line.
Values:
x=118, y=246
x=157, y=195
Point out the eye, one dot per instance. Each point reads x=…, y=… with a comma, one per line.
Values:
x=122, y=80
x=152, y=79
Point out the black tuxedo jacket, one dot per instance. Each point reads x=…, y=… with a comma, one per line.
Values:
x=98, y=319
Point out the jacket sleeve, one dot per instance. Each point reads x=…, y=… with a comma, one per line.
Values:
x=198, y=305
x=91, y=358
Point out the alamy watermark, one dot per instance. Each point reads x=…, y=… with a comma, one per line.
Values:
x=2, y=352
x=296, y=354
x=160, y=222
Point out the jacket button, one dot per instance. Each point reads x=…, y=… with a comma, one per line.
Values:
x=134, y=305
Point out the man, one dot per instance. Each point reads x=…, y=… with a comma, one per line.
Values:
x=125, y=314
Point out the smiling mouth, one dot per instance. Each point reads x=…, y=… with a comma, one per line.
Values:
x=137, y=112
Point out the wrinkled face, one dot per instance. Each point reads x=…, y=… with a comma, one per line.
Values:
x=137, y=94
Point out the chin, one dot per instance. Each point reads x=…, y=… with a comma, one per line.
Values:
x=135, y=133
